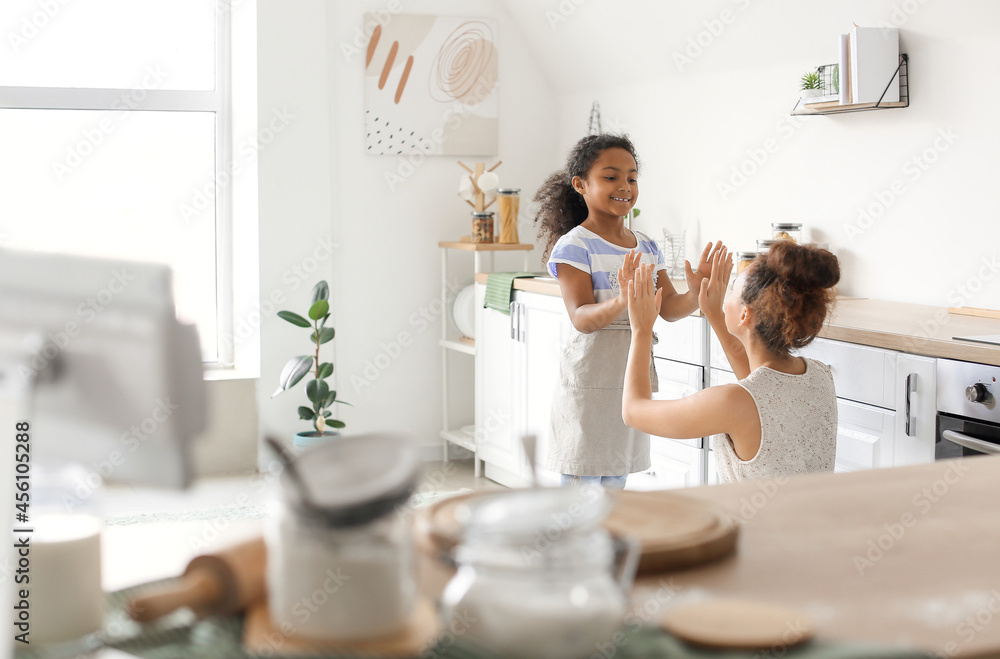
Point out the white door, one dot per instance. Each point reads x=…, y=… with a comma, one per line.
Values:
x=865, y=436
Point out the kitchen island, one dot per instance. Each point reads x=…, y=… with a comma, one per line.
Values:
x=904, y=556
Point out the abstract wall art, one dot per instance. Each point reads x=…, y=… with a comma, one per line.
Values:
x=431, y=86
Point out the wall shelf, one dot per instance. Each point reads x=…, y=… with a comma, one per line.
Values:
x=834, y=107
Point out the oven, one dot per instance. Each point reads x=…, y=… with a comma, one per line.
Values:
x=968, y=415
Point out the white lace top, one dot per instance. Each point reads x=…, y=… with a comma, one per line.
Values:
x=798, y=425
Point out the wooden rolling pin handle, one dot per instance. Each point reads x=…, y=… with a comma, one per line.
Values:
x=199, y=589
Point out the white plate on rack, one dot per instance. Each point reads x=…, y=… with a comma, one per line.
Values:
x=463, y=311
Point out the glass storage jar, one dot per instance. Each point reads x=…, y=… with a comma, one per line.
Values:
x=341, y=566
x=786, y=231
x=743, y=259
x=764, y=245
x=539, y=575
x=482, y=227
x=508, y=205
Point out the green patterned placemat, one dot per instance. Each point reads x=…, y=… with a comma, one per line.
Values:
x=181, y=636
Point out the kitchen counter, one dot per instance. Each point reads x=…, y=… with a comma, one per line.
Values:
x=905, y=556
x=914, y=328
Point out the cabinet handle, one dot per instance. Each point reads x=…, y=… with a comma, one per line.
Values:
x=513, y=321
x=911, y=388
x=520, y=323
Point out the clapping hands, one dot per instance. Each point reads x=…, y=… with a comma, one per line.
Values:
x=712, y=289
x=643, y=299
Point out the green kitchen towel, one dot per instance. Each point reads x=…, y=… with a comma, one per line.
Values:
x=499, y=287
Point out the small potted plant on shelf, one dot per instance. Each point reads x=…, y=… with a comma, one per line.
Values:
x=320, y=396
x=812, y=85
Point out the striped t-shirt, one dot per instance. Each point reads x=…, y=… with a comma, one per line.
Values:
x=585, y=250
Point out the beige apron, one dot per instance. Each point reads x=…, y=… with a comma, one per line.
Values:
x=588, y=436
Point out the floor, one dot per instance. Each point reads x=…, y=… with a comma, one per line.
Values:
x=152, y=534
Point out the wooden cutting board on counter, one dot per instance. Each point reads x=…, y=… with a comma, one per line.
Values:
x=674, y=531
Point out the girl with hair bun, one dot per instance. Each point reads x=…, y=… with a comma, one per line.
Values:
x=592, y=254
x=780, y=419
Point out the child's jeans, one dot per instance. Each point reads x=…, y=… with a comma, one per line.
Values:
x=610, y=482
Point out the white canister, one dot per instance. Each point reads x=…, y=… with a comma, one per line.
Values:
x=343, y=570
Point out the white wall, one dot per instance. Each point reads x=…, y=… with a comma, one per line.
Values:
x=694, y=123
x=317, y=184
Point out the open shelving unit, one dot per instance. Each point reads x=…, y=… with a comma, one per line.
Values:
x=834, y=107
x=483, y=254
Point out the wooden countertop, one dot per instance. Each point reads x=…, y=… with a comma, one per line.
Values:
x=904, y=555
x=915, y=328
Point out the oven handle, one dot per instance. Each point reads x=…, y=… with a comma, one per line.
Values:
x=970, y=442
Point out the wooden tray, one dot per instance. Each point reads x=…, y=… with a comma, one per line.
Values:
x=262, y=638
x=675, y=531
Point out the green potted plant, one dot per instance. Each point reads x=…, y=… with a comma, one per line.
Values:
x=320, y=396
x=812, y=85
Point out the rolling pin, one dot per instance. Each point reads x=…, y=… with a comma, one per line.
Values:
x=212, y=584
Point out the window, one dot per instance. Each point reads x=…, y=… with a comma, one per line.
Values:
x=115, y=116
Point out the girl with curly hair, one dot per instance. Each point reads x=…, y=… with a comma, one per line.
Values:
x=593, y=256
x=780, y=419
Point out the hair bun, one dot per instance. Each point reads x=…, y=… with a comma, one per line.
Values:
x=804, y=267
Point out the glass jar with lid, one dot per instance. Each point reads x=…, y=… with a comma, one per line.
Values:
x=743, y=259
x=539, y=574
x=340, y=566
x=786, y=231
x=482, y=227
x=764, y=245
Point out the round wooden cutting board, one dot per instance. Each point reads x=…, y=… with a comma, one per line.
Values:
x=738, y=624
x=674, y=531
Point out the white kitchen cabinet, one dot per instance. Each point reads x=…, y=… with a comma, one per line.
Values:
x=865, y=436
x=681, y=340
x=497, y=387
x=516, y=375
x=885, y=402
x=673, y=462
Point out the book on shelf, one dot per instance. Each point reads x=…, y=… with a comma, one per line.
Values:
x=845, y=69
x=874, y=53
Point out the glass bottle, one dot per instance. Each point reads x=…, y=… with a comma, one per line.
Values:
x=482, y=227
x=786, y=231
x=508, y=205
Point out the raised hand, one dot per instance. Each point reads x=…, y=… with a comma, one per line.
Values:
x=643, y=299
x=712, y=291
x=695, y=276
x=626, y=273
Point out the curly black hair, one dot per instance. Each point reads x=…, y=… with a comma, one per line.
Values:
x=560, y=206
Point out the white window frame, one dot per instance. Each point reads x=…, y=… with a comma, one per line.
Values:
x=219, y=101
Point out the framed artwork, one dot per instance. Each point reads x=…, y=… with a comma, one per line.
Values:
x=431, y=86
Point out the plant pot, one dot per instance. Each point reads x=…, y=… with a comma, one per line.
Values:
x=304, y=440
x=810, y=93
